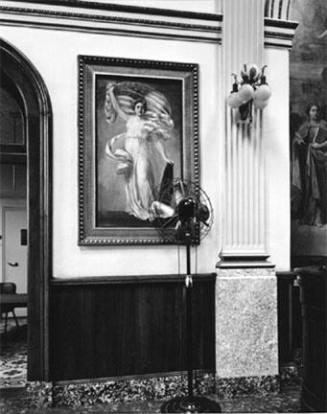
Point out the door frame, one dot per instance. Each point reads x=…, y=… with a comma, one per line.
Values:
x=38, y=112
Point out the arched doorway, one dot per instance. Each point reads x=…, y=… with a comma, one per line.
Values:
x=21, y=76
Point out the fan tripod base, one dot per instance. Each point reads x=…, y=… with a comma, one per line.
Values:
x=190, y=405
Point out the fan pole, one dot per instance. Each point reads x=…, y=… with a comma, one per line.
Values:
x=187, y=213
x=189, y=345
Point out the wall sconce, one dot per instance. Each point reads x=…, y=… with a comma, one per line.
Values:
x=252, y=90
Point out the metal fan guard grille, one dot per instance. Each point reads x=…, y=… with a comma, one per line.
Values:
x=171, y=194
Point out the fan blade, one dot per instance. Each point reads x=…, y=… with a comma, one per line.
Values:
x=178, y=225
x=204, y=222
x=203, y=212
x=181, y=186
x=162, y=210
x=166, y=188
x=169, y=221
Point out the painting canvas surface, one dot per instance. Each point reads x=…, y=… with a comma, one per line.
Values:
x=139, y=140
x=308, y=146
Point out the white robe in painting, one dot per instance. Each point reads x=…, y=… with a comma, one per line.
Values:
x=138, y=153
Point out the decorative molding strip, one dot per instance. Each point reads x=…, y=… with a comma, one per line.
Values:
x=119, y=8
x=274, y=9
x=279, y=33
x=241, y=263
x=132, y=21
x=103, y=18
x=130, y=279
x=243, y=270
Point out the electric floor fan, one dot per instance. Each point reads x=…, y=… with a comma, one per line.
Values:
x=185, y=209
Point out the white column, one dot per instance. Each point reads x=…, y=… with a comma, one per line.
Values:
x=245, y=189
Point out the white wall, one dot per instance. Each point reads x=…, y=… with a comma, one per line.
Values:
x=55, y=57
x=276, y=135
x=54, y=54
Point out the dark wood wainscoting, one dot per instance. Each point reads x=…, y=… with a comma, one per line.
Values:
x=289, y=317
x=109, y=327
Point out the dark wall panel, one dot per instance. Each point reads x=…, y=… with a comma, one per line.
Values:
x=289, y=317
x=104, y=327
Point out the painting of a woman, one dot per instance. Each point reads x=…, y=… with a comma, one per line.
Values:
x=309, y=170
x=139, y=150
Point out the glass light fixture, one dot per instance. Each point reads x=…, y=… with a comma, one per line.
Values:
x=251, y=90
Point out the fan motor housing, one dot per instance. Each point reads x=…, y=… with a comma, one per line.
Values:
x=187, y=209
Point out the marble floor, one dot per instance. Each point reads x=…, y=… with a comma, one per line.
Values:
x=13, y=401
x=14, y=396
x=13, y=354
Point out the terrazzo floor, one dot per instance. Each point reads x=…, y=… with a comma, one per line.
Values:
x=14, y=397
x=12, y=401
x=13, y=355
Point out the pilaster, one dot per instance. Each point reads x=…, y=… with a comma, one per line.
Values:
x=245, y=189
x=246, y=288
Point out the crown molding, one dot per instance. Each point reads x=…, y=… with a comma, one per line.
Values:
x=104, y=18
x=86, y=4
x=92, y=17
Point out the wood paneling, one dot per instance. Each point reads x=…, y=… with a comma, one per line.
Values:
x=289, y=317
x=313, y=283
x=108, y=328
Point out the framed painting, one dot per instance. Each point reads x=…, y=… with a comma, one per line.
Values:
x=138, y=132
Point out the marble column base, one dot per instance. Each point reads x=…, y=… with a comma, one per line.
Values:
x=246, y=322
x=229, y=388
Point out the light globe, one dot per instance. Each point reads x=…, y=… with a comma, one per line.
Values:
x=246, y=93
x=233, y=100
x=260, y=103
x=262, y=92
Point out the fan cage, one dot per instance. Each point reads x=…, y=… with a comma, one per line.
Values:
x=171, y=194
